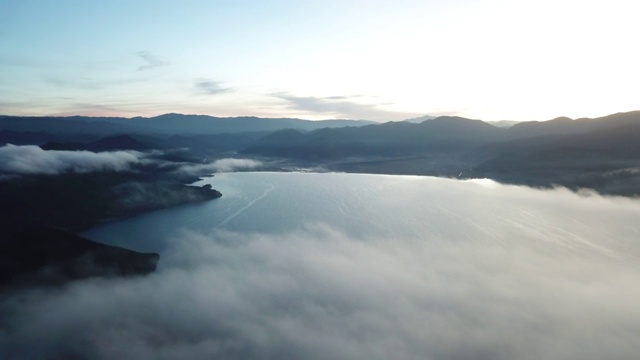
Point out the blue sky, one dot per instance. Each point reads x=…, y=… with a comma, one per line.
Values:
x=377, y=60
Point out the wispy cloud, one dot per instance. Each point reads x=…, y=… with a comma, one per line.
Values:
x=210, y=87
x=30, y=159
x=151, y=61
x=342, y=107
x=221, y=165
x=341, y=97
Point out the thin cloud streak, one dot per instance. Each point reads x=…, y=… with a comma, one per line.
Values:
x=210, y=87
x=342, y=107
x=151, y=61
x=221, y=165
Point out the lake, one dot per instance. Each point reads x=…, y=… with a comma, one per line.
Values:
x=388, y=206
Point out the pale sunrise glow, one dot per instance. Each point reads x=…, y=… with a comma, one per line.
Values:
x=375, y=60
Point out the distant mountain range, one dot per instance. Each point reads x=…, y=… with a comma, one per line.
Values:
x=601, y=153
x=18, y=128
x=388, y=139
x=442, y=134
x=111, y=143
x=588, y=152
x=167, y=124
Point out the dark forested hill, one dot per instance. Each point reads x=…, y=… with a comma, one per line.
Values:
x=567, y=126
x=606, y=159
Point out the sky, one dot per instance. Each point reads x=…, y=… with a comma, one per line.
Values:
x=374, y=60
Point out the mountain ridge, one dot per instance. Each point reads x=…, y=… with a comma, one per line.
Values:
x=170, y=123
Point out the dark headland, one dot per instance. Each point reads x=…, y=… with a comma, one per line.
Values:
x=42, y=212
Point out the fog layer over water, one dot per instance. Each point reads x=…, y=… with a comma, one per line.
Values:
x=318, y=266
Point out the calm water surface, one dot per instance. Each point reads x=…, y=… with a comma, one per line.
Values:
x=383, y=206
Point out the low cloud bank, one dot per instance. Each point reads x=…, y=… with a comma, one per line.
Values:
x=32, y=160
x=449, y=270
x=222, y=165
x=317, y=293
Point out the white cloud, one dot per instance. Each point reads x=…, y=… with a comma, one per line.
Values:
x=318, y=293
x=210, y=87
x=31, y=159
x=343, y=107
x=221, y=165
x=229, y=164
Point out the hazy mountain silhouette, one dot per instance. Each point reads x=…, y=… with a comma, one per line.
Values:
x=24, y=138
x=503, y=123
x=420, y=119
x=204, y=124
x=167, y=124
x=443, y=134
x=67, y=125
x=567, y=126
x=210, y=143
x=111, y=143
